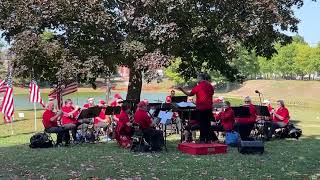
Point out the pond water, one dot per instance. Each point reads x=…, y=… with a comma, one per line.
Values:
x=21, y=101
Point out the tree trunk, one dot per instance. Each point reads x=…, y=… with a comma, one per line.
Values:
x=135, y=84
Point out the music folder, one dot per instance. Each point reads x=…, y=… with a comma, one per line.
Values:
x=113, y=110
x=91, y=112
x=241, y=112
x=165, y=117
x=262, y=110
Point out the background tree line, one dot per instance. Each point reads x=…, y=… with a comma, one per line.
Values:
x=296, y=60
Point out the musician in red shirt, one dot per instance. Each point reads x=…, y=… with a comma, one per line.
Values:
x=226, y=118
x=123, y=132
x=49, y=120
x=204, y=92
x=153, y=136
x=68, y=120
x=244, y=126
x=169, y=98
x=89, y=104
x=100, y=122
x=280, y=118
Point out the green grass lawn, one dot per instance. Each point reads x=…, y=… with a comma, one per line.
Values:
x=284, y=159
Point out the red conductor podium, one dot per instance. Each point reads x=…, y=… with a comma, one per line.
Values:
x=202, y=149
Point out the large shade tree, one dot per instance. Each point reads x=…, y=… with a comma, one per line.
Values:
x=142, y=34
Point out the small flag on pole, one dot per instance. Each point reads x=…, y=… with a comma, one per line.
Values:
x=69, y=89
x=34, y=91
x=7, y=103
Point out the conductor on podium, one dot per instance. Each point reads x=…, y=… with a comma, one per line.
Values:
x=204, y=92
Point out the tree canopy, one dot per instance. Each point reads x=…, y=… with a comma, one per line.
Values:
x=144, y=35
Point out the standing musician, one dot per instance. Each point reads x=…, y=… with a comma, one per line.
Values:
x=152, y=136
x=280, y=117
x=244, y=126
x=204, y=92
x=68, y=121
x=169, y=98
x=49, y=120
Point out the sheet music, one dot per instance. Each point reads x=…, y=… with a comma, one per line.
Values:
x=165, y=116
x=186, y=104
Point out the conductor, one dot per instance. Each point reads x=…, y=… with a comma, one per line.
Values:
x=204, y=92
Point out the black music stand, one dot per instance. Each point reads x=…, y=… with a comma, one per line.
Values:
x=184, y=110
x=132, y=103
x=113, y=110
x=241, y=112
x=154, y=106
x=164, y=122
x=91, y=112
x=177, y=99
x=262, y=111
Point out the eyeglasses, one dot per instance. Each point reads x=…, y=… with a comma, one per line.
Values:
x=247, y=101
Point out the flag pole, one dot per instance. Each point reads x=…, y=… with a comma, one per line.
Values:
x=35, y=117
x=12, y=125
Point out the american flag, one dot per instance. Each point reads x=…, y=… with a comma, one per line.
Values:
x=7, y=103
x=3, y=87
x=69, y=89
x=34, y=93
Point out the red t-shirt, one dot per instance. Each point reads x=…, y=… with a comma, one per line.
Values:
x=269, y=108
x=251, y=119
x=113, y=103
x=47, y=115
x=204, y=92
x=66, y=119
x=102, y=115
x=168, y=99
x=87, y=105
x=143, y=119
x=227, y=119
x=283, y=112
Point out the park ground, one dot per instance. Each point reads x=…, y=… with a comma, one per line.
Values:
x=283, y=159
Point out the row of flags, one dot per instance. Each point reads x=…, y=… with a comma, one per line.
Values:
x=7, y=105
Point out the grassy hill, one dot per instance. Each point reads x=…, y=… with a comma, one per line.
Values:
x=294, y=92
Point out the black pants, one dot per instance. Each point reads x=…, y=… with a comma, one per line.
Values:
x=204, y=117
x=72, y=128
x=154, y=137
x=244, y=130
x=62, y=134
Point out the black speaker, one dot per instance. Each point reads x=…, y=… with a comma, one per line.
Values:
x=251, y=147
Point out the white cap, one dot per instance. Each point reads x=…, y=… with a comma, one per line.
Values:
x=266, y=101
x=91, y=99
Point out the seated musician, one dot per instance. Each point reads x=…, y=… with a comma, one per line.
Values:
x=100, y=122
x=68, y=120
x=152, y=136
x=123, y=132
x=89, y=104
x=49, y=120
x=226, y=118
x=116, y=102
x=244, y=126
x=268, y=104
x=280, y=118
x=169, y=98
